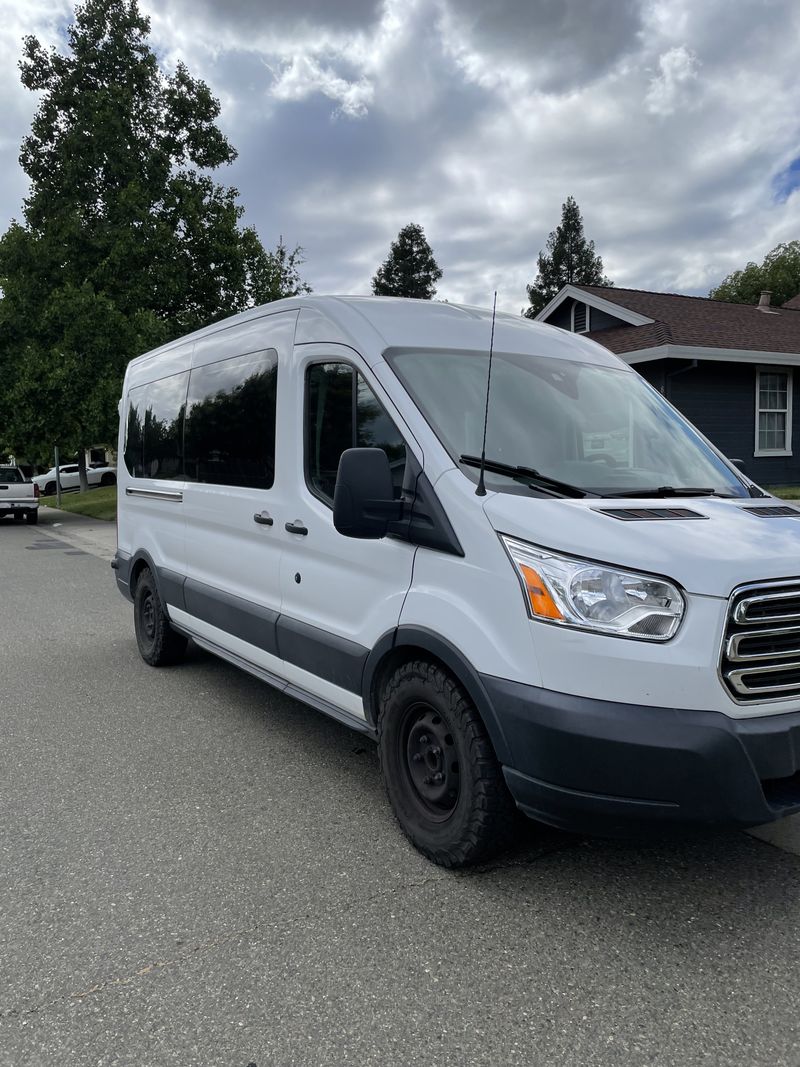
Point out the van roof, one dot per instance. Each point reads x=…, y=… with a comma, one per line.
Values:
x=368, y=323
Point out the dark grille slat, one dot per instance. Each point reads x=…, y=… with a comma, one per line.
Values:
x=774, y=511
x=761, y=650
x=645, y=514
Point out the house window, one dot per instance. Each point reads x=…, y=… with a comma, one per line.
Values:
x=580, y=318
x=773, y=412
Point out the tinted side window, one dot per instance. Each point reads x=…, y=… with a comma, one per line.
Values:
x=342, y=412
x=155, y=428
x=230, y=421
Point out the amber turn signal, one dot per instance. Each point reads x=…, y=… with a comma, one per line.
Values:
x=542, y=604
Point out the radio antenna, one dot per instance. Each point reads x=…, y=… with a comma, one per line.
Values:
x=481, y=490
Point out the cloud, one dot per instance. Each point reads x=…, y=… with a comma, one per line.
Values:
x=303, y=76
x=672, y=87
x=673, y=123
x=556, y=45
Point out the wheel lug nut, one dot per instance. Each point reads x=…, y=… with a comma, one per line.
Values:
x=427, y=780
x=438, y=778
x=436, y=751
x=423, y=739
x=417, y=757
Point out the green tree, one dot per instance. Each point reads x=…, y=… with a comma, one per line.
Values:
x=127, y=241
x=273, y=275
x=409, y=269
x=780, y=273
x=569, y=260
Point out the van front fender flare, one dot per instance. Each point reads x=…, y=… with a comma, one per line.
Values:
x=452, y=659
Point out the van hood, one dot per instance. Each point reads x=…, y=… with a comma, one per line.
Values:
x=721, y=544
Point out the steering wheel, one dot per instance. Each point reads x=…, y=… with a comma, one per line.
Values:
x=603, y=457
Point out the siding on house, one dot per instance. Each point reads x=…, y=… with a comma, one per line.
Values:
x=599, y=320
x=720, y=399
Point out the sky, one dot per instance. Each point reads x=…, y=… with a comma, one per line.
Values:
x=674, y=123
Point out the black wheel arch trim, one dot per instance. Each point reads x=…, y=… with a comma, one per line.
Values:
x=169, y=584
x=455, y=662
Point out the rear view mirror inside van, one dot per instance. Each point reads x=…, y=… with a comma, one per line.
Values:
x=363, y=500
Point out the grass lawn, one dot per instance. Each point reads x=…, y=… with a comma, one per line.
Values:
x=98, y=503
x=788, y=492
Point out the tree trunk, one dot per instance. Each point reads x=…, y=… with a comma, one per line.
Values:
x=84, y=481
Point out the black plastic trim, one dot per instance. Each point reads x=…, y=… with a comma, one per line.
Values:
x=172, y=587
x=249, y=622
x=121, y=565
x=600, y=766
x=332, y=658
x=453, y=659
x=427, y=523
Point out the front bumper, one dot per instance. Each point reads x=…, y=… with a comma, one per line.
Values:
x=602, y=767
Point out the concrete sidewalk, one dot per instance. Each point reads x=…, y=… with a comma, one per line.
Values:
x=96, y=536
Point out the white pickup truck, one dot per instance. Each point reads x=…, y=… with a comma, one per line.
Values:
x=18, y=496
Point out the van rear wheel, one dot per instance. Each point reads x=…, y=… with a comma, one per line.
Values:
x=159, y=645
x=441, y=775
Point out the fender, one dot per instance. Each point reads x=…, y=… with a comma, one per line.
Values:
x=453, y=659
x=168, y=583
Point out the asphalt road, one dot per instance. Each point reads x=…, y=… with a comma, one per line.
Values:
x=197, y=870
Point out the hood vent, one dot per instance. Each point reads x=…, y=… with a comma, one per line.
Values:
x=774, y=511
x=645, y=514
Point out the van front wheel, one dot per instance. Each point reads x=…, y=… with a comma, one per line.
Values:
x=159, y=645
x=439, y=769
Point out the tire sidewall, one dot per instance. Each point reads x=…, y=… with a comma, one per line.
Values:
x=428, y=833
x=146, y=587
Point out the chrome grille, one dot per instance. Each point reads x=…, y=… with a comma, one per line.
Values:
x=761, y=650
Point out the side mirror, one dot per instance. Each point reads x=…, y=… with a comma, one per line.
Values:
x=363, y=500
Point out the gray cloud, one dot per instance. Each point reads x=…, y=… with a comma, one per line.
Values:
x=560, y=44
x=667, y=120
x=253, y=15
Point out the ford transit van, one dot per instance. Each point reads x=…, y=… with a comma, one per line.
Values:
x=598, y=623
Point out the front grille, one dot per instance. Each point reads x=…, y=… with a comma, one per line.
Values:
x=761, y=650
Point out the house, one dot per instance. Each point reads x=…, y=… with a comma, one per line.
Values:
x=728, y=367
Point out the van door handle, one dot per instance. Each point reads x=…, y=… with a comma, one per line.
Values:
x=296, y=527
x=263, y=519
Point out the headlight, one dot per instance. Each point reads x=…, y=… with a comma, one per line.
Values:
x=590, y=596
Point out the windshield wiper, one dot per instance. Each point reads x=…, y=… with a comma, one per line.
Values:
x=666, y=490
x=528, y=475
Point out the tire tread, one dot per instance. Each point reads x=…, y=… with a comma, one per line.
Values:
x=492, y=816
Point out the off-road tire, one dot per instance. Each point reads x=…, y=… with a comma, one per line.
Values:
x=33, y=517
x=159, y=645
x=427, y=726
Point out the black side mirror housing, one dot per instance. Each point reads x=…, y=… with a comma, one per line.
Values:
x=363, y=500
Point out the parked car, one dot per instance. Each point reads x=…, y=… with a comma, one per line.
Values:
x=554, y=593
x=68, y=474
x=18, y=495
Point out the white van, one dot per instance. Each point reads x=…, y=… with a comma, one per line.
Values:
x=607, y=636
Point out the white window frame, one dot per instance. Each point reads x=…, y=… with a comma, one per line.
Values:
x=588, y=317
x=788, y=440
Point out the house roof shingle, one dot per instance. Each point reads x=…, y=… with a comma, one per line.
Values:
x=699, y=322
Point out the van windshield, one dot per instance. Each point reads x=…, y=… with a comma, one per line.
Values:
x=601, y=429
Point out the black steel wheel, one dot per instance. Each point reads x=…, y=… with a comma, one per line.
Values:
x=159, y=645
x=441, y=775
